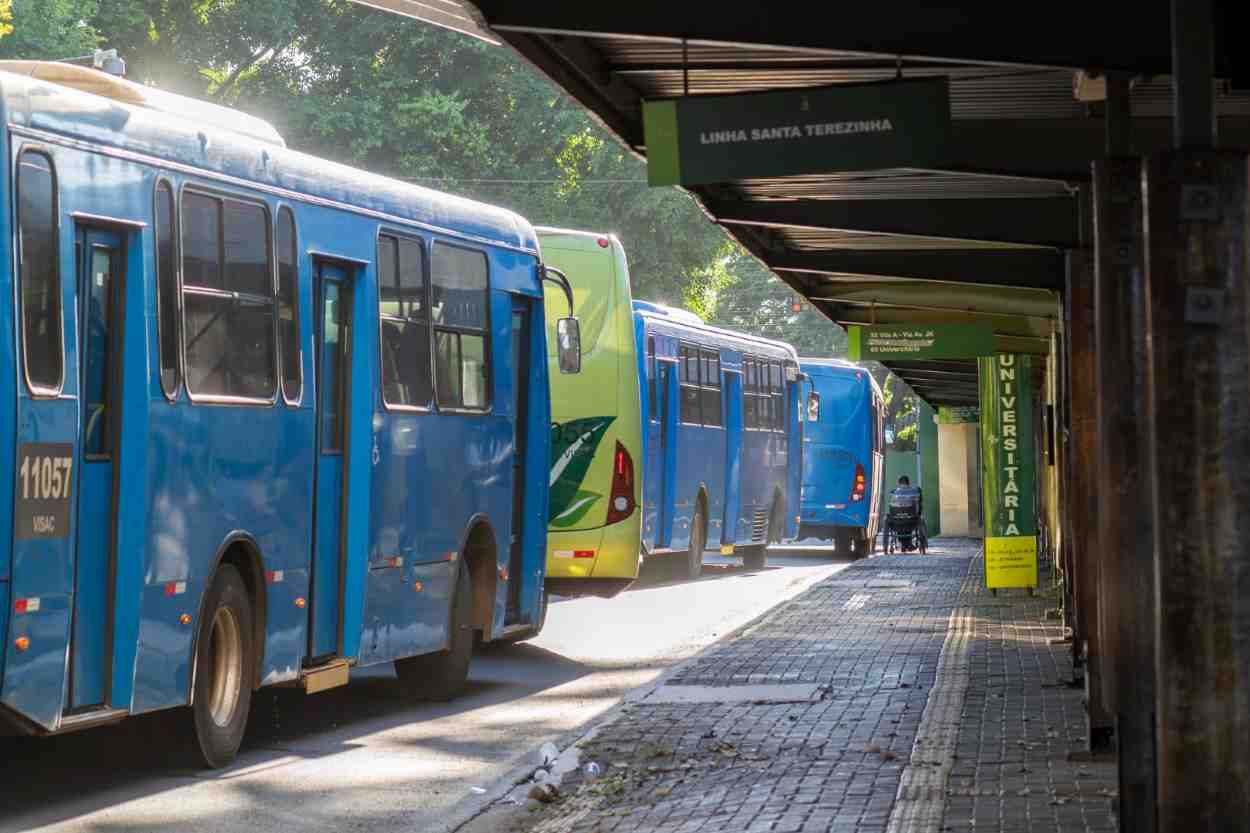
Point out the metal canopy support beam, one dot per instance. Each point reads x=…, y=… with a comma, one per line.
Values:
x=1198, y=286
x=1197, y=329
x=1083, y=427
x=1036, y=268
x=1193, y=73
x=1039, y=37
x=449, y=14
x=579, y=70
x=1048, y=221
x=1125, y=531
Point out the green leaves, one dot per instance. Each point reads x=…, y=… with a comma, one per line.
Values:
x=573, y=446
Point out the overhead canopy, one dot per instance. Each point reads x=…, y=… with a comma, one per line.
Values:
x=981, y=238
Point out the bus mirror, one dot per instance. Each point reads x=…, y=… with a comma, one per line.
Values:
x=569, y=344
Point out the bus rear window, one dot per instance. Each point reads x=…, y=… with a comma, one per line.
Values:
x=841, y=397
x=41, y=285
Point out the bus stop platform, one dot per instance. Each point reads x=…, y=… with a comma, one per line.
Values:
x=896, y=695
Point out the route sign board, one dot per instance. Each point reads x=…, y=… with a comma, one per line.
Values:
x=695, y=140
x=920, y=341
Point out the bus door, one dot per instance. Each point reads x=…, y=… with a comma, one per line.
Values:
x=731, y=382
x=333, y=346
x=521, y=316
x=795, y=426
x=666, y=446
x=99, y=264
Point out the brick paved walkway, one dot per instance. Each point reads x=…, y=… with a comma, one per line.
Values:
x=997, y=739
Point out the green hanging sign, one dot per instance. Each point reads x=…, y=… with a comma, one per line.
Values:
x=1008, y=470
x=916, y=341
x=696, y=140
x=958, y=414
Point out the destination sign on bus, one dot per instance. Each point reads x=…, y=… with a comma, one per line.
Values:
x=702, y=139
x=924, y=341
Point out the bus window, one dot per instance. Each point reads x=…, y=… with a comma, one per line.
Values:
x=749, y=399
x=690, y=398
x=461, y=365
x=405, y=322
x=710, y=393
x=777, y=391
x=651, y=379
x=228, y=299
x=166, y=289
x=288, y=307
x=813, y=407
x=41, y=284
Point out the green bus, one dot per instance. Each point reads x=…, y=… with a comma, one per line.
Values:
x=594, y=519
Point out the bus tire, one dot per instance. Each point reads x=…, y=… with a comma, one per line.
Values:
x=755, y=557
x=841, y=542
x=441, y=675
x=859, y=544
x=225, y=667
x=698, y=542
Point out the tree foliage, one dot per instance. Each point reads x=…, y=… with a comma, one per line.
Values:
x=412, y=101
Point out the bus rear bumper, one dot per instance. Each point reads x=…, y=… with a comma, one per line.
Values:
x=603, y=588
x=609, y=554
x=826, y=522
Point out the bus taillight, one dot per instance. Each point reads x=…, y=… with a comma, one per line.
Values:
x=857, y=491
x=621, y=504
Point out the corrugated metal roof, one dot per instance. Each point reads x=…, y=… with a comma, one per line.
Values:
x=612, y=75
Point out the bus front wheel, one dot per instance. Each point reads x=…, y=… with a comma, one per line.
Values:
x=442, y=675
x=225, y=665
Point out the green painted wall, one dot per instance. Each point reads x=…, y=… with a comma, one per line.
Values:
x=927, y=442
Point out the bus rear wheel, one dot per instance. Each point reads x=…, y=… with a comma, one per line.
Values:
x=698, y=542
x=859, y=544
x=225, y=665
x=442, y=675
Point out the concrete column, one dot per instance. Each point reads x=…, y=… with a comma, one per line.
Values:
x=1125, y=526
x=1198, y=390
x=953, y=451
x=1082, y=505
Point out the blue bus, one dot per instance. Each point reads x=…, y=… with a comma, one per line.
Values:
x=721, y=438
x=843, y=455
x=271, y=417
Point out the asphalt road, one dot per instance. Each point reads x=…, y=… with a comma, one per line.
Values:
x=363, y=758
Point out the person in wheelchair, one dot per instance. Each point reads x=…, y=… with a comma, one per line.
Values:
x=904, y=520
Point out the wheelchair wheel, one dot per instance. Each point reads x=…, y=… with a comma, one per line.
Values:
x=922, y=536
x=888, y=539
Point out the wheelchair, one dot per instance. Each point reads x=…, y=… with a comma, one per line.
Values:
x=904, y=526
